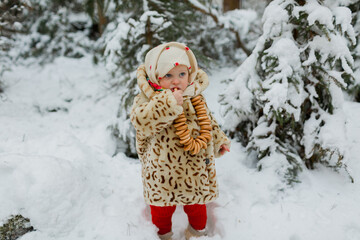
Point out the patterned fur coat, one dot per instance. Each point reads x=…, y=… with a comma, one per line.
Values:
x=172, y=176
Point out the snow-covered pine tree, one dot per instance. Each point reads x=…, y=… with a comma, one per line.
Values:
x=12, y=15
x=51, y=29
x=284, y=102
x=354, y=87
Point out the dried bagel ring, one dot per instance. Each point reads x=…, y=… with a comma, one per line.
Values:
x=182, y=127
x=193, y=149
x=181, y=132
x=201, y=118
x=196, y=148
x=200, y=112
x=205, y=123
x=176, y=125
x=189, y=145
x=180, y=119
x=192, y=144
x=207, y=136
x=185, y=133
x=206, y=127
x=185, y=141
x=202, y=115
x=185, y=136
x=196, y=102
x=196, y=98
x=189, y=141
x=201, y=137
x=199, y=147
x=201, y=143
x=199, y=103
x=199, y=107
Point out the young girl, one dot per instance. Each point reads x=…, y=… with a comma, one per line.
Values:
x=177, y=138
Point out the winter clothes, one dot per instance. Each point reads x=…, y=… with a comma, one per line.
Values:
x=161, y=217
x=190, y=232
x=172, y=176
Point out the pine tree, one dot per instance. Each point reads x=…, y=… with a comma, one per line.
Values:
x=48, y=29
x=354, y=87
x=12, y=16
x=286, y=96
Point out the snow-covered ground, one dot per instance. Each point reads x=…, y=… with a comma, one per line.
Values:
x=57, y=169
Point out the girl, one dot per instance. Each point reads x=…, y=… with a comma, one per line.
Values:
x=177, y=138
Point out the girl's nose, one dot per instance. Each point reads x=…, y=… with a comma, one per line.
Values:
x=175, y=81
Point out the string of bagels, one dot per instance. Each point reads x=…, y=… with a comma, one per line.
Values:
x=194, y=144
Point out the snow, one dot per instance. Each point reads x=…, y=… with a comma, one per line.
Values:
x=239, y=19
x=319, y=13
x=326, y=49
x=238, y=93
x=57, y=168
x=273, y=20
x=280, y=91
x=343, y=18
x=113, y=47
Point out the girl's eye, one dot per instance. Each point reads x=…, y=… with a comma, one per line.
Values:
x=182, y=74
x=168, y=75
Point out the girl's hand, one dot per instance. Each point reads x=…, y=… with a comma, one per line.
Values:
x=224, y=148
x=178, y=94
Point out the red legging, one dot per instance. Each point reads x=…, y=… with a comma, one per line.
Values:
x=161, y=216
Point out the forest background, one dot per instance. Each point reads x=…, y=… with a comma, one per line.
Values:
x=291, y=89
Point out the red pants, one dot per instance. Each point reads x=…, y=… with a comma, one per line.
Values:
x=161, y=216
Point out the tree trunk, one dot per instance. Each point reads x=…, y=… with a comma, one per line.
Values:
x=101, y=16
x=149, y=33
x=229, y=5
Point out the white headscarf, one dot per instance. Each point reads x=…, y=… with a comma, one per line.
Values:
x=161, y=59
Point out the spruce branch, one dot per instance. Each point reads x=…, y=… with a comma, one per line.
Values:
x=203, y=10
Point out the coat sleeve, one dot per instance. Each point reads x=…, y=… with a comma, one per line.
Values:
x=151, y=116
x=218, y=136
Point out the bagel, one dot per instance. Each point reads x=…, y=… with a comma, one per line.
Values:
x=200, y=112
x=199, y=107
x=205, y=123
x=185, y=141
x=185, y=135
x=181, y=132
x=176, y=125
x=201, y=137
x=201, y=143
x=196, y=148
x=189, y=145
x=182, y=127
x=206, y=127
x=179, y=120
x=196, y=98
x=204, y=131
x=207, y=136
x=202, y=117
x=195, y=103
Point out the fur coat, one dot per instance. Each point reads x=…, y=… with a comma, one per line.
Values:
x=170, y=175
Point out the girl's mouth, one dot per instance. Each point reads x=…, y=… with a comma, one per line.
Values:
x=174, y=89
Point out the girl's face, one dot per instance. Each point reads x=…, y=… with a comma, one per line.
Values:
x=177, y=77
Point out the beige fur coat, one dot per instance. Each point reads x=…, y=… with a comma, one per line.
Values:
x=172, y=176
